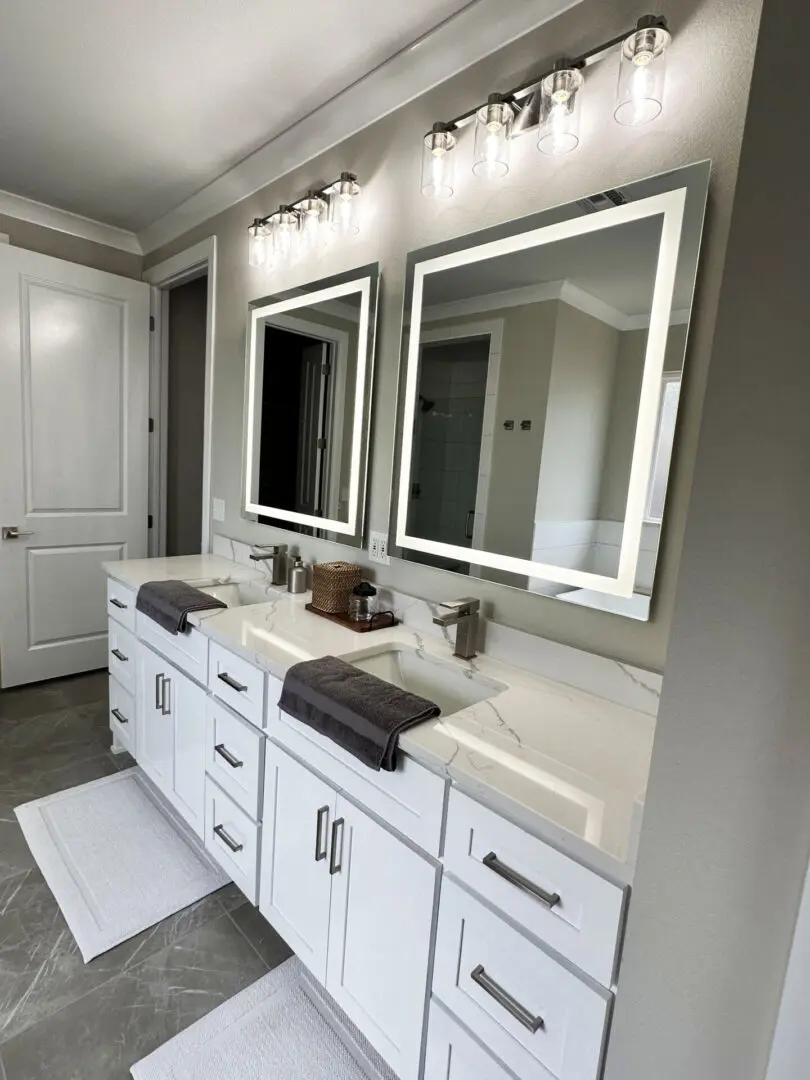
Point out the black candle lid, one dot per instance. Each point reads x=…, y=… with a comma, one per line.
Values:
x=365, y=588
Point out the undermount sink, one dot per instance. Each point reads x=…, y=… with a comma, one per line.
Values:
x=236, y=593
x=450, y=686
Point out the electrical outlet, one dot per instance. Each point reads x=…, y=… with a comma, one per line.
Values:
x=218, y=509
x=378, y=548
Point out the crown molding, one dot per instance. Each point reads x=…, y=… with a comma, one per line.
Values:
x=478, y=30
x=50, y=217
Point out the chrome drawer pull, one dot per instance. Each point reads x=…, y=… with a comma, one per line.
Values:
x=227, y=840
x=118, y=604
x=234, y=685
x=335, y=860
x=119, y=716
x=320, y=852
x=224, y=752
x=492, y=862
x=514, y=1008
x=165, y=699
x=158, y=689
x=120, y=656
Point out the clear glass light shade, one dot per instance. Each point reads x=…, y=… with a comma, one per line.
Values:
x=642, y=73
x=284, y=225
x=493, y=126
x=313, y=211
x=438, y=165
x=344, y=206
x=258, y=245
x=560, y=101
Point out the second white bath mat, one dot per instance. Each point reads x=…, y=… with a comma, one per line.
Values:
x=117, y=859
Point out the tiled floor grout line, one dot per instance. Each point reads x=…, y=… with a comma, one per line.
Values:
x=247, y=939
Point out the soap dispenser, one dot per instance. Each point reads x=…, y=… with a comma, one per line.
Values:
x=297, y=576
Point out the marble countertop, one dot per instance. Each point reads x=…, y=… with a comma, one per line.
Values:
x=569, y=766
x=195, y=569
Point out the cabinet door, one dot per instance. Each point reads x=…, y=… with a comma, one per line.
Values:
x=155, y=740
x=295, y=887
x=185, y=703
x=381, y=917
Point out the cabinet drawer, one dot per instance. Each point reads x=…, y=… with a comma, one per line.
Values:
x=571, y=908
x=536, y=1016
x=233, y=839
x=187, y=651
x=234, y=757
x=122, y=653
x=122, y=716
x=237, y=683
x=121, y=604
x=453, y=1054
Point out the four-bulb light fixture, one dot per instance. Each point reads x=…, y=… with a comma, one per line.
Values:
x=305, y=225
x=552, y=104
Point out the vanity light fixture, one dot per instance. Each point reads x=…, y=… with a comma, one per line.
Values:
x=551, y=103
x=306, y=224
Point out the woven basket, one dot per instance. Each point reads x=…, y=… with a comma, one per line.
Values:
x=332, y=584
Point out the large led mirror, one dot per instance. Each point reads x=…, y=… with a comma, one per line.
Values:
x=309, y=369
x=542, y=365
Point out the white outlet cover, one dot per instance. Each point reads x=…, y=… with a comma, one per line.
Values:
x=378, y=548
x=218, y=509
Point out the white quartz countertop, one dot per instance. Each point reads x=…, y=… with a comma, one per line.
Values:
x=195, y=569
x=569, y=766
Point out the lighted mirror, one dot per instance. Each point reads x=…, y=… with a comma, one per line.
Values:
x=308, y=389
x=541, y=373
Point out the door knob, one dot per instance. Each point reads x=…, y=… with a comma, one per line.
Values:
x=12, y=532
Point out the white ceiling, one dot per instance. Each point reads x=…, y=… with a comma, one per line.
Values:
x=120, y=110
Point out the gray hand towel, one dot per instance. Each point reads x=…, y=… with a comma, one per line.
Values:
x=170, y=602
x=358, y=711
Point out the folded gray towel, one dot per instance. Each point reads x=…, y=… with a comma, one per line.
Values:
x=170, y=602
x=358, y=711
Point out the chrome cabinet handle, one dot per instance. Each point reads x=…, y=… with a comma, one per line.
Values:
x=118, y=604
x=335, y=860
x=234, y=685
x=224, y=752
x=320, y=852
x=119, y=716
x=165, y=698
x=228, y=841
x=157, y=690
x=492, y=862
x=120, y=656
x=513, y=1007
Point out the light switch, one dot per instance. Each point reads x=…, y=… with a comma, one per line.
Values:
x=218, y=509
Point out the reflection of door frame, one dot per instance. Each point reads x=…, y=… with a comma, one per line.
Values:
x=192, y=263
x=339, y=339
x=493, y=329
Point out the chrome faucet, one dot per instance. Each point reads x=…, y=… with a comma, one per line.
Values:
x=463, y=614
x=276, y=555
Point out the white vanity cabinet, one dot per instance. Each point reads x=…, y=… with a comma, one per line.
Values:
x=354, y=901
x=171, y=735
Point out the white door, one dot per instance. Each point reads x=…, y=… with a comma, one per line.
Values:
x=295, y=888
x=185, y=702
x=380, y=925
x=74, y=388
x=155, y=728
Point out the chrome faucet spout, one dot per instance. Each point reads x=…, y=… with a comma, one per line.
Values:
x=463, y=614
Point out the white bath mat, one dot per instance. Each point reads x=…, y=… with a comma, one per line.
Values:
x=283, y=1026
x=116, y=857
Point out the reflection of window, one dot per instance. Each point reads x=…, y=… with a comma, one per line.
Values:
x=663, y=448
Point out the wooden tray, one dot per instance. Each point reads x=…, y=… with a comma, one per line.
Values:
x=383, y=620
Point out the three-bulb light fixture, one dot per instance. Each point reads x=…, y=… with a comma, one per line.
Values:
x=304, y=226
x=552, y=104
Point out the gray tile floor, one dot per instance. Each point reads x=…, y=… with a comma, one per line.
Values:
x=60, y=1017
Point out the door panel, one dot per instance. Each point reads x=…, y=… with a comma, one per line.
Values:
x=156, y=730
x=379, y=938
x=74, y=369
x=186, y=702
x=295, y=889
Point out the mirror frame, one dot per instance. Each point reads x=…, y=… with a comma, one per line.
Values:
x=365, y=281
x=516, y=236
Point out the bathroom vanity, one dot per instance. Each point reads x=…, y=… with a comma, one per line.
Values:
x=466, y=911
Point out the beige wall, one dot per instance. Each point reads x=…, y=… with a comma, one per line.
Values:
x=698, y=122
x=71, y=248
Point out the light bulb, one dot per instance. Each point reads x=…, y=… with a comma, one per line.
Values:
x=438, y=162
x=257, y=244
x=560, y=111
x=642, y=72
x=284, y=224
x=492, y=132
x=312, y=211
x=344, y=205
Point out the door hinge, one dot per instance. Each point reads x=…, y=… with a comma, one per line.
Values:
x=151, y=322
x=321, y=444
x=151, y=425
x=326, y=367
x=149, y=521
